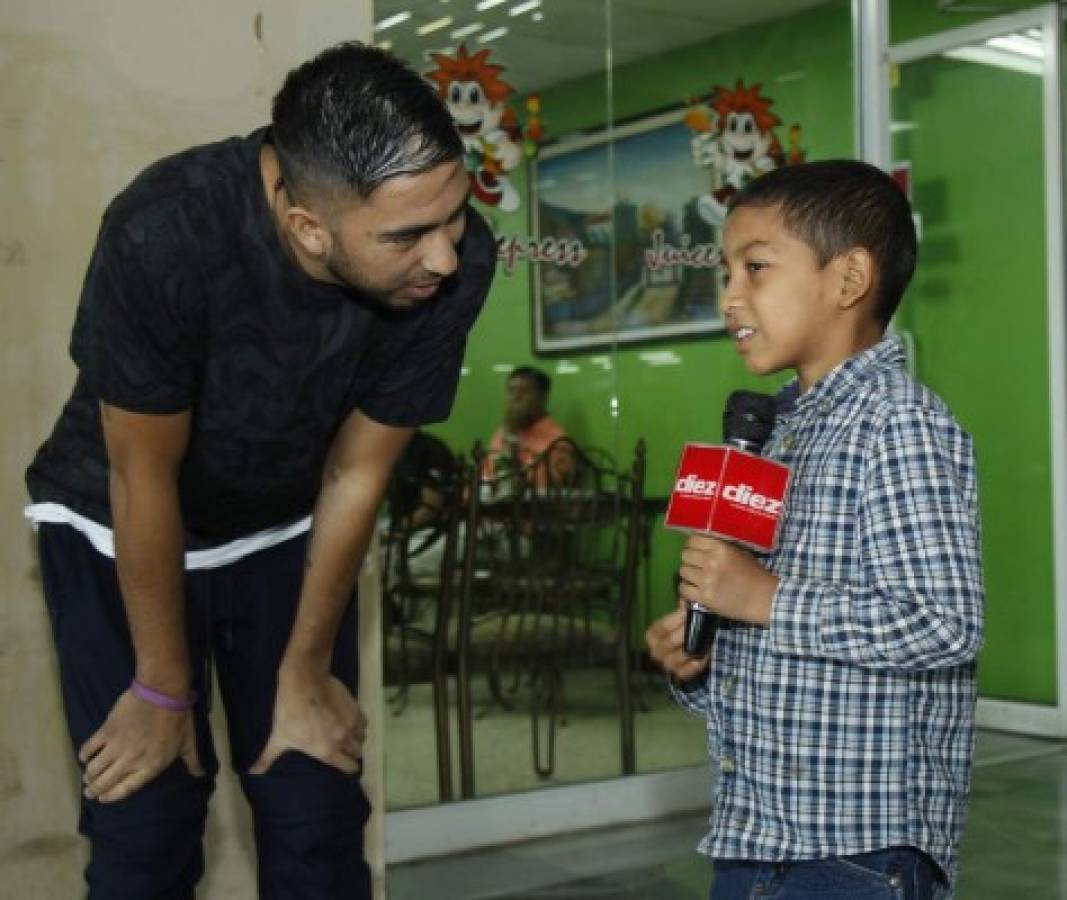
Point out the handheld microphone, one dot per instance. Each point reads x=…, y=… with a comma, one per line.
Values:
x=729, y=492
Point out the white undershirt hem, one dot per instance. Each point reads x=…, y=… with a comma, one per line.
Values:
x=103, y=539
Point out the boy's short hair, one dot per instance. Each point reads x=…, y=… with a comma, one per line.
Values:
x=539, y=378
x=837, y=204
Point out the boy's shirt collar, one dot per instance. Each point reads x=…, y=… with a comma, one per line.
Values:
x=839, y=383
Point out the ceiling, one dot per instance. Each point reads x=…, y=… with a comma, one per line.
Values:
x=554, y=41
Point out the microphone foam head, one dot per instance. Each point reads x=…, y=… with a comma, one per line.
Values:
x=749, y=417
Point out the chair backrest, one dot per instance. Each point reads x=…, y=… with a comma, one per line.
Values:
x=427, y=466
x=422, y=504
x=555, y=547
x=558, y=523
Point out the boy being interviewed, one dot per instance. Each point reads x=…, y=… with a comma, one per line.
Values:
x=840, y=692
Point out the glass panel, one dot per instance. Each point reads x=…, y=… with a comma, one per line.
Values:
x=727, y=91
x=609, y=220
x=501, y=67
x=977, y=316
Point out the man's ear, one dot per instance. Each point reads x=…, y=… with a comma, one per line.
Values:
x=856, y=271
x=308, y=231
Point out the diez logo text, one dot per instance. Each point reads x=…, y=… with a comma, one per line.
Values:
x=694, y=486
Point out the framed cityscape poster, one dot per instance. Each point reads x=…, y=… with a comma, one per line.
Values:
x=645, y=267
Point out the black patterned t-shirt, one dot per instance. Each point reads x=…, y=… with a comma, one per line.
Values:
x=190, y=303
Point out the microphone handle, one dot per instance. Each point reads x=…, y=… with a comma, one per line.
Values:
x=700, y=627
x=700, y=622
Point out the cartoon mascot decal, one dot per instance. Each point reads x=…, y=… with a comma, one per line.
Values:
x=475, y=95
x=737, y=143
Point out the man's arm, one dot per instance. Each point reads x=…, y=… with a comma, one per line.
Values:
x=560, y=460
x=138, y=740
x=313, y=712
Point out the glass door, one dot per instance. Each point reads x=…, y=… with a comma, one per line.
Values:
x=975, y=136
x=603, y=139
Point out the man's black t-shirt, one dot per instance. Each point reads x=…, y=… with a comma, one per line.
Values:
x=190, y=303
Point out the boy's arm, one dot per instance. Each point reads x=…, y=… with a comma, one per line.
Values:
x=919, y=601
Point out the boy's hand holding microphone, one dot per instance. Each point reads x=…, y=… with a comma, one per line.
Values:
x=726, y=497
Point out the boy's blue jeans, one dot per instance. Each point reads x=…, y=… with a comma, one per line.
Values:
x=899, y=873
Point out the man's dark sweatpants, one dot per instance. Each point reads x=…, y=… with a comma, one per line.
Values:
x=309, y=817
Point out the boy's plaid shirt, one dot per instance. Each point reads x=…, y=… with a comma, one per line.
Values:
x=848, y=724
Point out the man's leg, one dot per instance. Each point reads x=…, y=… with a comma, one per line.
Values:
x=148, y=845
x=309, y=816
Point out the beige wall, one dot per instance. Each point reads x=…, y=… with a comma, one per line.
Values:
x=91, y=91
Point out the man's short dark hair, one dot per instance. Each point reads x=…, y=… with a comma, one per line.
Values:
x=539, y=378
x=838, y=204
x=354, y=116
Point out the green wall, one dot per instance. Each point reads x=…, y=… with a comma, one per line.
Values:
x=976, y=311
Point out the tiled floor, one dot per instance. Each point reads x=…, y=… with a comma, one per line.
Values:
x=1015, y=846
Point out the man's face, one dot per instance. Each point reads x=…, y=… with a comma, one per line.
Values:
x=399, y=244
x=525, y=402
x=779, y=304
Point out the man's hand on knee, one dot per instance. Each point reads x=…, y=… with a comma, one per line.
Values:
x=317, y=716
x=136, y=743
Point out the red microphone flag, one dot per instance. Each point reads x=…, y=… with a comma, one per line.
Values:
x=728, y=493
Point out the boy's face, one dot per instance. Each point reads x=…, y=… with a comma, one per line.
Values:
x=780, y=307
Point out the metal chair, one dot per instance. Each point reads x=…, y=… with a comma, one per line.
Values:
x=420, y=579
x=548, y=581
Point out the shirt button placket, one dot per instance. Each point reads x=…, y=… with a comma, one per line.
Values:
x=727, y=764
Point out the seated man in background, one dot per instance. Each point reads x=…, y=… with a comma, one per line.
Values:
x=420, y=477
x=528, y=430
x=416, y=498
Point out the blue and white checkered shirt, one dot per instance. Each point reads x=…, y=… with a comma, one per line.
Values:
x=848, y=724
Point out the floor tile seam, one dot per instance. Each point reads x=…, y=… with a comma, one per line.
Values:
x=1019, y=756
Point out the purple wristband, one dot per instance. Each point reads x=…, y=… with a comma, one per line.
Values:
x=163, y=701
